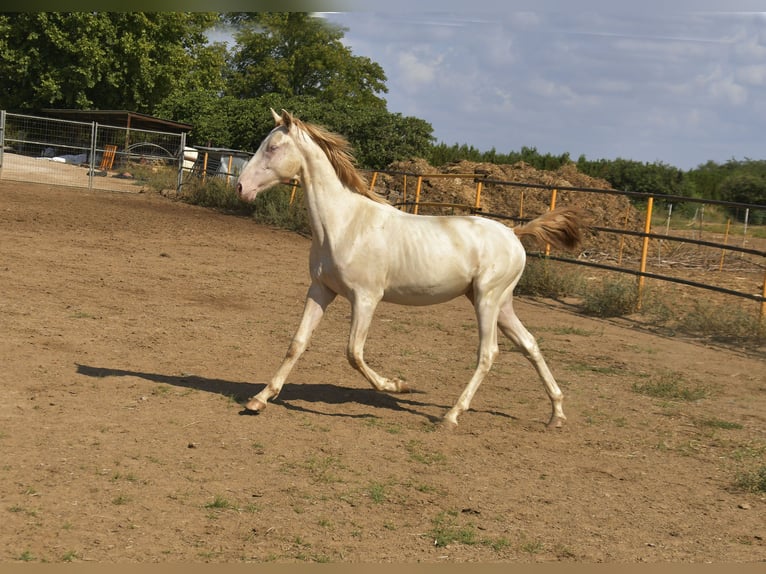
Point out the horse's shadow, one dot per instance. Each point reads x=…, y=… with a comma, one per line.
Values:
x=290, y=396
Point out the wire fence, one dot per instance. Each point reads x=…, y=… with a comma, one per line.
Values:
x=83, y=154
x=727, y=258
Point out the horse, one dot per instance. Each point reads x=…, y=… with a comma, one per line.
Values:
x=368, y=251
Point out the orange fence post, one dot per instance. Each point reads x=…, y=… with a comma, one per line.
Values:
x=477, y=203
x=417, y=194
x=521, y=204
x=553, y=206
x=645, y=247
x=372, y=180
x=292, y=193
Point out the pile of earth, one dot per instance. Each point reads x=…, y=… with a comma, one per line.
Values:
x=603, y=210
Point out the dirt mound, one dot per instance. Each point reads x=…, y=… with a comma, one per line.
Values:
x=445, y=186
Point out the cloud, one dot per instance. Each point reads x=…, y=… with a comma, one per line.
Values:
x=417, y=70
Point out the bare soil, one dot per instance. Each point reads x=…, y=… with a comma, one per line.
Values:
x=134, y=326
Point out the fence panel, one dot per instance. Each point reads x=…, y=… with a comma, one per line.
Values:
x=701, y=257
x=81, y=154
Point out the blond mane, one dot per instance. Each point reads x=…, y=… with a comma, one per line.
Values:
x=338, y=151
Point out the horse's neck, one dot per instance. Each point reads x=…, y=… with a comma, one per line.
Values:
x=331, y=205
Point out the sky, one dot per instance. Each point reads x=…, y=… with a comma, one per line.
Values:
x=678, y=87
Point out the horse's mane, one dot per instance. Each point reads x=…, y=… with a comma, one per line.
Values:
x=338, y=151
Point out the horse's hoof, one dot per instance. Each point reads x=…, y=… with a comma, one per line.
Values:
x=402, y=387
x=448, y=425
x=255, y=405
x=556, y=422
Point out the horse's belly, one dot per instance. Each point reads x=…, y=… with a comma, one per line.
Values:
x=424, y=294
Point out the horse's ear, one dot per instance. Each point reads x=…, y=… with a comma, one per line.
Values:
x=277, y=118
x=287, y=118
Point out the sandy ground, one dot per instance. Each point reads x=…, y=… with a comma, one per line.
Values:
x=133, y=327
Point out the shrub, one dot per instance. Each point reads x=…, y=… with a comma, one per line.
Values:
x=543, y=278
x=614, y=297
x=272, y=207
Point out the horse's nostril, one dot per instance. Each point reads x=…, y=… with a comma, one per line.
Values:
x=239, y=189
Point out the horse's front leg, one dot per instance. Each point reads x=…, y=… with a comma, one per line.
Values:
x=362, y=310
x=317, y=300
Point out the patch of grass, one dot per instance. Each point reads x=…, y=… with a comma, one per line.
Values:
x=421, y=454
x=26, y=556
x=715, y=423
x=445, y=530
x=377, y=492
x=220, y=503
x=752, y=481
x=69, y=556
x=121, y=500
x=671, y=386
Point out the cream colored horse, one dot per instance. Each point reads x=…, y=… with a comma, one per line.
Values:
x=367, y=251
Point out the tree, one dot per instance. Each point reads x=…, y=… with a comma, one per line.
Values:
x=296, y=54
x=104, y=60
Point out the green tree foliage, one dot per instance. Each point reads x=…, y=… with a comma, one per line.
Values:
x=442, y=154
x=104, y=60
x=296, y=54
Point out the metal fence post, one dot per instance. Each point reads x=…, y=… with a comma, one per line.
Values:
x=92, y=158
x=181, y=156
x=2, y=136
x=645, y=248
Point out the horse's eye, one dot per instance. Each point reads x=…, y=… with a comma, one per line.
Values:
x=273, y=147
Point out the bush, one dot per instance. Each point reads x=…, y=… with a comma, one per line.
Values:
x=272, y=207
x=543, y=278
x=214, y=192
x=612, y=298
x=722, y=322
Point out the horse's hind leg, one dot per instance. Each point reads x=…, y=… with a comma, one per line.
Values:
x=362, y=310
x=513, y=329
x=317, y=300
x=486, y=314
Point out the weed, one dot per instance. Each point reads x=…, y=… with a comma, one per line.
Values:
x=533, y=547
x=752, y=481
x=377, y=492
x=419, y=453
x=26, y=556
x=220, y=503
x=120, y=500
x=69, y=556
x=445, y=530
x=717, y=424
x=671, y=386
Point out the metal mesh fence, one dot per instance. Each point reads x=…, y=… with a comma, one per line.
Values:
x=81, y=154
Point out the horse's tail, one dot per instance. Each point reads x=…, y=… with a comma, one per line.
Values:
x=562, y=228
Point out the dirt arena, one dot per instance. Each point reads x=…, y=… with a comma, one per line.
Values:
x=134, y=326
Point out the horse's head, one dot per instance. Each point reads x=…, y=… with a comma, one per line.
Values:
x=277, y=160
